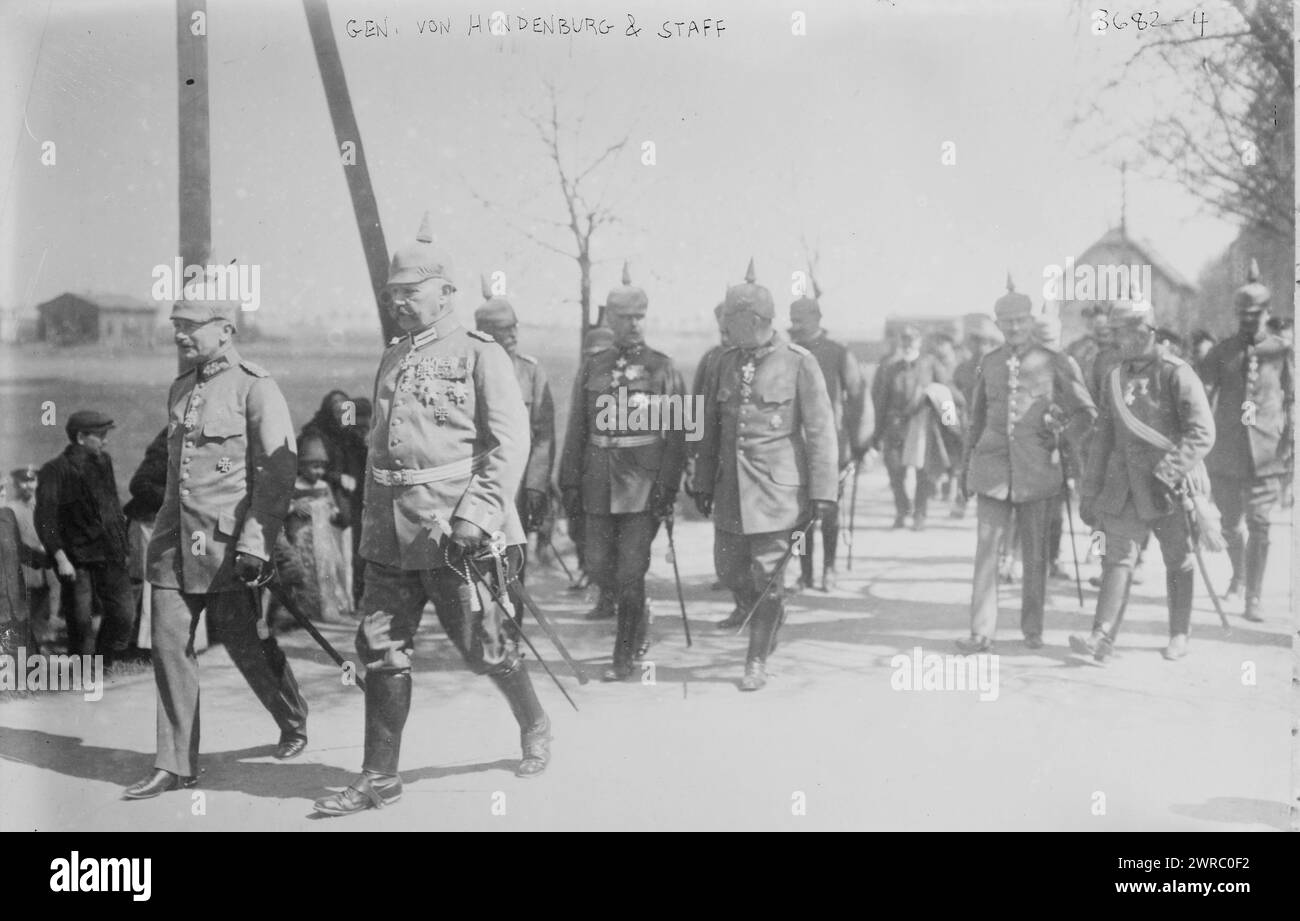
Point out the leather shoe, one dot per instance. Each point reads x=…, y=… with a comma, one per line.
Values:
x=1177, y=647
x=976, y=644
x=159, y=782
x=291, y=746
x=365, y=793
x=1034, y=642
x=619, y=671
x=1252, y=612
x=900, y=522
x=828, y=580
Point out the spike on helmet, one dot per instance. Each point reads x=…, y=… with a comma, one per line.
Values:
x=750, y=296
x=494, y=311
x=1253, y=295
x=420, y=260
x=195, y=304
x=626, y=297
x=1013, y=303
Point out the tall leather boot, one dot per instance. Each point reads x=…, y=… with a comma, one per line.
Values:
x=641, y=639
x=1236, y=544
x=624, y=635
x=388, y=701
x=762, y=634
x=1112, y=598
x=1180, y=585
x=1256, y=560
x=534, y=725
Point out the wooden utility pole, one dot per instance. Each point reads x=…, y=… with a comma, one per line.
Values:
x=351, y=154
x=195, y=171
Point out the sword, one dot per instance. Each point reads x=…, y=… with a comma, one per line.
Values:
x=550, y=543
x=542, y=620
x=677, y=576
x=519, y=631
x=1069, y=516
x=777, y=574
x=271, y=582
x=1194, y=535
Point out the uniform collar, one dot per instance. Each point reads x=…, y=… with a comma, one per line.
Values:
x=438, y=329
x=227, y=358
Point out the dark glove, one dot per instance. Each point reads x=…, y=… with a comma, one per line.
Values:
x=466, y=539
x=661, y=504
x=572, y=499
x=248, y=568
x=823, y=509
x=704, y=503
x=534, y=508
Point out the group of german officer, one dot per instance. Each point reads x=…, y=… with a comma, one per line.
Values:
x=621, y=479
x=766, y=462
x=448, y=449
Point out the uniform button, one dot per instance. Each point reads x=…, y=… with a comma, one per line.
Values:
x=397, y=441
x=189, y=444
x=398, y=463
x=185, y=476
x=185, y=492
x=397, y=422
x=185, y=460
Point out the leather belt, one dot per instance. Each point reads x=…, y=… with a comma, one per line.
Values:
x=623, y=441
x=451, y=471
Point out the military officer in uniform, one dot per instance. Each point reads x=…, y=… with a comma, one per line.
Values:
x=1154, y=427
x=898, y=392
x=766, y=463
x=597, y=340
x=619, y=475
x=1026, y=397
x=231, y=465
x=496, y=317
x=447, y=451
x=1250, y=378
x=848, y=391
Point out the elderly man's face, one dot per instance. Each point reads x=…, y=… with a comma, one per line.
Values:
x=201, y=341
x=1251, y=322
x=415, y=306
x=745, y=328
x=506, y=334
x=628, y=326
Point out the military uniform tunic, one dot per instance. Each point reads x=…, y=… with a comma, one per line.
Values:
x=449, y=440
x=536, y=391
x=231, y=465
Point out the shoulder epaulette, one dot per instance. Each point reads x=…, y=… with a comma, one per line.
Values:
x=798, y=349
x=393, y=341
x=479, y=334
x=253, y=369
x=528, y=358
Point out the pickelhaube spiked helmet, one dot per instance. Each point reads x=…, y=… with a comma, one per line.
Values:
x=419, y=260
x=626, y=297
x=1253, y=295
x=495, y=310
x=750, y=296
x=1013, y=303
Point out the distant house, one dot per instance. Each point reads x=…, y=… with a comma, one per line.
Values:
x=112, y=319
x=1171, y=294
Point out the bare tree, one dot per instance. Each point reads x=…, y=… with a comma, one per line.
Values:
x=584, y=193
x=1234, y=150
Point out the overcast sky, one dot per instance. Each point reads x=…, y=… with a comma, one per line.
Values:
x=761, y=136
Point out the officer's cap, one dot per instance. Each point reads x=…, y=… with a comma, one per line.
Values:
x=197, y=306
x=626, y=298
x=419, y=260
x=750, y=296
x=1013, y=303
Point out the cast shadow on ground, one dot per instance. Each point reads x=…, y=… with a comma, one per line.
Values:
x=228, y=771
x=1236, y=810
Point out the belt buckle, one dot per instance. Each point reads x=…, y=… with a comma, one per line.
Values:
x=403, y=478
